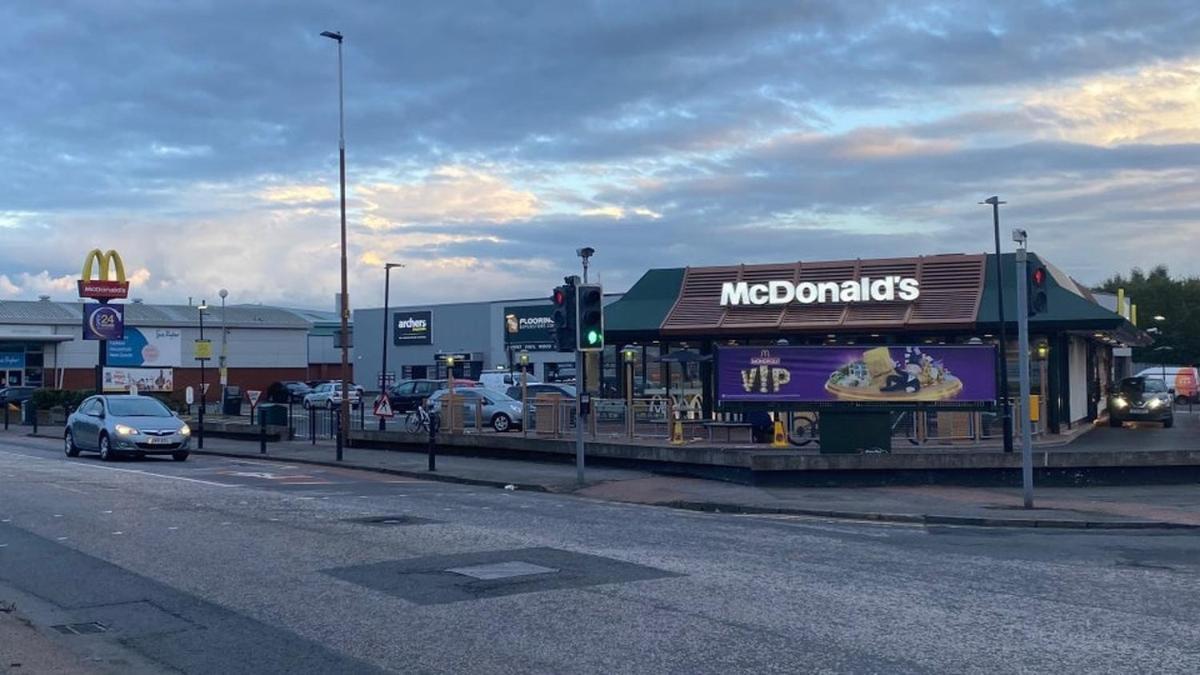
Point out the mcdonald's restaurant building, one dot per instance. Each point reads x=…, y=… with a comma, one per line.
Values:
x=920, y=302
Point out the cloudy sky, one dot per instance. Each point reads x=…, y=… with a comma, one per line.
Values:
x=487, y=140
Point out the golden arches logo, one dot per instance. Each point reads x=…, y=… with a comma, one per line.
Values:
x=110, y=282
x=104, y=259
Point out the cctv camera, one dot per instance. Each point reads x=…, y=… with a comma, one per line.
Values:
x=1019, y=235
x=585, y=252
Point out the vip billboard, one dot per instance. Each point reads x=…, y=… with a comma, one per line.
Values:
x=412, y=328
x=103, y=322
x=147, y=347
x=529, y=327
x=883, y=374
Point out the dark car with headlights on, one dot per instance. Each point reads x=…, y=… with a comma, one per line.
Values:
x=126, y=425
x=1141, y=399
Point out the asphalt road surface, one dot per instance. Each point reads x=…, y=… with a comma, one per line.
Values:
x=231, y=566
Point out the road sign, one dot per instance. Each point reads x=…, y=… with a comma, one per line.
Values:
x=203, y=350
x=204, y=389
x=253, y=395
x=189, y=395
x=383, y=407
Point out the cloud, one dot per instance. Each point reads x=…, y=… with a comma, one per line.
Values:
x=446, y=194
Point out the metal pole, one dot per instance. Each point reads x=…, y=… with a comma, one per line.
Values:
x=1023, y=365
x=387, y=285
x=579, y=418
x=200, y=434
x=524, y=399
x=1002, y=379
x=102, y=361
x=345, y=302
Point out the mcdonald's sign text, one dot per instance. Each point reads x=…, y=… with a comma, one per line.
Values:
x=110, y=282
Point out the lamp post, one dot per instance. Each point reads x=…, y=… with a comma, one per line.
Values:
x=383, y=385
x=524, y=392
x=345, y=296
x=203, y=398
x=1002, y=364
x=222, y=362
x=629, y=356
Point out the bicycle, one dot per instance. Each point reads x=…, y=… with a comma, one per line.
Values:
x=417, y=420
x=804, y=430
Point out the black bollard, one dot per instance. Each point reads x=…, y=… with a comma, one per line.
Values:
x=337, y=430
x=434, y=423
x=262, y=432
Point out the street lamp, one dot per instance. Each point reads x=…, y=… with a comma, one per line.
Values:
x=524, y=357
x=629, y=356
x=383, y=383
x=1002, y=365
x=222, y=362
x=203, y=399
x=1162, y=349
x=345, y=296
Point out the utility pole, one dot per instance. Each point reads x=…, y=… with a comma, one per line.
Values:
x=344, y=421
x=1020, y=237
x=1002, y=375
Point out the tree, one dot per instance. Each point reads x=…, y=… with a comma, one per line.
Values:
x=1176, y=300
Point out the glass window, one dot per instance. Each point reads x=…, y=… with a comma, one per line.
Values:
x=407, y=388
x=137, y=406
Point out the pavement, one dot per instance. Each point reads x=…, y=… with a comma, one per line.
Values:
x=1158, y=506
x=239, y=565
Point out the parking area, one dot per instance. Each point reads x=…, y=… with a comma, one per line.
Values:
x=1185, y=435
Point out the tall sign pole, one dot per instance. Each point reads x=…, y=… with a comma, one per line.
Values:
x=1019, y=236
x=103, y=289
x=344, y=421
x=1005, y=407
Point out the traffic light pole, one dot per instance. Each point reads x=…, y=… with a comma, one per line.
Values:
x=1023, y=366
x=580, y=417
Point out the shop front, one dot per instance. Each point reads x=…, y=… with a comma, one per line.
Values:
x=915, y=333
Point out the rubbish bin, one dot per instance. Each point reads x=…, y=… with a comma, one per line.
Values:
x=275, y=414
x=28, y=412
x=232, y=403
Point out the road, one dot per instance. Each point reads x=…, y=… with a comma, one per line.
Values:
x=232, y=566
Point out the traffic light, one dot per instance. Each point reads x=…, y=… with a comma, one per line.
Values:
x=1038, y=278
x=590, y=336
x=563, y=316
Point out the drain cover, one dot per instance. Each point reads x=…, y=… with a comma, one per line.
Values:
x=390, y=520
x=87, y=628
x=501, y=570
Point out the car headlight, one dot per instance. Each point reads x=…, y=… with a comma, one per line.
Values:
x=125, y=430
x=1120, y=402
x=185, y=430
x=1154, y=403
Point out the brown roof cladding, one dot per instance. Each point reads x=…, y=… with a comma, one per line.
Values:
x=951, y=287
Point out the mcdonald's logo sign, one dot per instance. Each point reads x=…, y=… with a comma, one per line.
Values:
x=110, y=282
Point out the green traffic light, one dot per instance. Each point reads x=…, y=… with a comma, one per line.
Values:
x=593, y=337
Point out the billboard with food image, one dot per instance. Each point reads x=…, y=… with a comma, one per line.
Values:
x=953, y=374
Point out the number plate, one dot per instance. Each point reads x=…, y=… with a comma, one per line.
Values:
x=158, y=441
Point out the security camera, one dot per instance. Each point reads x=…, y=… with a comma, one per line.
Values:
x=1019, y=235
x=585, y=252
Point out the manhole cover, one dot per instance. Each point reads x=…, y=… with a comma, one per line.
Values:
x=86, y=628
x=501, y=570
x=390, y=520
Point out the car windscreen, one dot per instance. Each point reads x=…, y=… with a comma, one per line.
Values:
x=1139, y=385
x=495, y=395
x=137, y=407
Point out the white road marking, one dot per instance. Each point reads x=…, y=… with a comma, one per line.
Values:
x=62, y=538
x=58, y=515
x=172, y=528
x=113, y=468
x=109, y=511
x=118, y=532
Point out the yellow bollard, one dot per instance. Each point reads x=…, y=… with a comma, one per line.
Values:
x=780, y=440
x=677, y=433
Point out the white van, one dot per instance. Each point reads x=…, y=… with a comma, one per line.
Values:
x=501, y=380
x=1184, y=380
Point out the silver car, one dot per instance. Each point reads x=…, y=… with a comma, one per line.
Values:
x=126, y=425
x=495, y=408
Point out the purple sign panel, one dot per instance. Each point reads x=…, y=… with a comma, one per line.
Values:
x=880, y=374
x=103, y=322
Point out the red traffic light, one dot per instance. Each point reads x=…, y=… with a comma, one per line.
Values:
x=1039, y=276
x=560, y=296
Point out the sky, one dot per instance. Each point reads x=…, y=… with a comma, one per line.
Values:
x=486, y=141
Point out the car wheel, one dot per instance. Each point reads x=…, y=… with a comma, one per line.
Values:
x=501, y=422
x=1169, y=422
x=1113, y=422
x=106, y=452
x=69, y=445
x=179, y=456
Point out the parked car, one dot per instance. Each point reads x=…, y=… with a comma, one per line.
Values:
x=407, y=395
x=499, y=411
x=126, y=425
x=16, y=395
x=329, y=395
x=503, y=379
x=1184, y=381
x=296, y=391
x=532, y=390
x=1141, y=399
